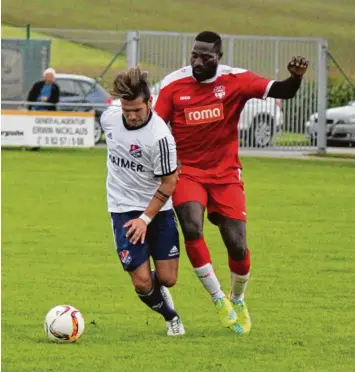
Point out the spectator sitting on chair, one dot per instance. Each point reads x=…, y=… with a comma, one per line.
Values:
x=46, y=91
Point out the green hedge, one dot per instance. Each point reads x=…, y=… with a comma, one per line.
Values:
x=339, y=94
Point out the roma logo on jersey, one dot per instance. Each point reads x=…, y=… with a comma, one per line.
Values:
x=204, y=114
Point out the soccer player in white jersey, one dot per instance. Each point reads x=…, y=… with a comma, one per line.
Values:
x=141, y=177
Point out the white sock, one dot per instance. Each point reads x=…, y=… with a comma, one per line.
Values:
x=209, y=280
x=239, y=285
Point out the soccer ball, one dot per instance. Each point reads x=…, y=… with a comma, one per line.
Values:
x=64, y=323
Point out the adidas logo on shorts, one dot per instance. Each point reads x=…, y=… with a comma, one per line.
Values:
x=173, y=251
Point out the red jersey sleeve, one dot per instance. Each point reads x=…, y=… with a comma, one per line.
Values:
x=164, y=105
x=255, y=86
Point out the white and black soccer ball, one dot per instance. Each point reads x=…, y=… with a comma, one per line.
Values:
x=64, y=323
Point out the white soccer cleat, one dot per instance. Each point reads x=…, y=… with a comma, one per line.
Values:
x=175, y=327
x=167, y=297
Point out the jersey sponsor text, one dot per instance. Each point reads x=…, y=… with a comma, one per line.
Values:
x=124, y=163
x=204, y=114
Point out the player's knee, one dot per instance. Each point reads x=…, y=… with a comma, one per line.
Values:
x=142, y=284
x=192, y=230
x=167, y=280
x=234, y=237
x=190, y=216
x=238, y=249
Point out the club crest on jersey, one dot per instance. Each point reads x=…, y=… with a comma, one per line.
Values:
x=135, y=151
x=219, y=91
x=125, y=257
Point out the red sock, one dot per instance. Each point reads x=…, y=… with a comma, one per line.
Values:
x=240, y=267
x=197, y=252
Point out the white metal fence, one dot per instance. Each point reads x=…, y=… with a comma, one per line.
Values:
x=278, y=125
x=271, y=123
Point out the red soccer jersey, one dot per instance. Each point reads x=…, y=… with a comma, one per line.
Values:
x=204, y=119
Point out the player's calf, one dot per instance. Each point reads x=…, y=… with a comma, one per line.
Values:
x=174, y=326
x=233, y=232
x=154, y=299
x=191, y=215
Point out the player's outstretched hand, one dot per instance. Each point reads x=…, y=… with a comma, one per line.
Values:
x=137, y=230
x=297, y=66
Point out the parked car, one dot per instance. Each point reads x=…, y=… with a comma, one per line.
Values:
x=259, y=121
x=82, y=89
x=340, y=125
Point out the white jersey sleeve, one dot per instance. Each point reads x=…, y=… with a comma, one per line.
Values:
x=107, y=116
x=164, y=155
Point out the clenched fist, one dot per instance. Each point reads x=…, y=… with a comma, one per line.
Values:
x=297, y=66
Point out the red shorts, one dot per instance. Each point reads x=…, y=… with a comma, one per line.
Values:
x=227, y=199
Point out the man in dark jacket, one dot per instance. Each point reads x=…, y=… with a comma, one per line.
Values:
x=46, y=91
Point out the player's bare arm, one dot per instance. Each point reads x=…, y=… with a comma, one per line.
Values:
x=288, y=88
x=166, y=189
x=138, y=227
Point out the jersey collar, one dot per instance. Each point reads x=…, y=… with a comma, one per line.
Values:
x=210, y=80
x=140, y=126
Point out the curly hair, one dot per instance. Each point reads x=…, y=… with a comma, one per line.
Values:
x=131, y=84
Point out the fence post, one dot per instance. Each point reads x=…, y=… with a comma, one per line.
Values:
x=230, y=52
x=184, y=51
x=28, y=32
x=322, y=96
x=132, y=49
x=277, y=57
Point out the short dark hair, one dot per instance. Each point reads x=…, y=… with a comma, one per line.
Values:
x=131, y=84
x=210, y=37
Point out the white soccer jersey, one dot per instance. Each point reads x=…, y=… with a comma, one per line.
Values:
x=136, y=159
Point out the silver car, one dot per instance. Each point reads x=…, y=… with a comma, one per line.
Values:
x=340, y=125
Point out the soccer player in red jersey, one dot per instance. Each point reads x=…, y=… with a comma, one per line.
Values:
x=203, y=103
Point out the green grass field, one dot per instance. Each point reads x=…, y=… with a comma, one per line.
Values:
x=57, y=248
x=318, y=18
